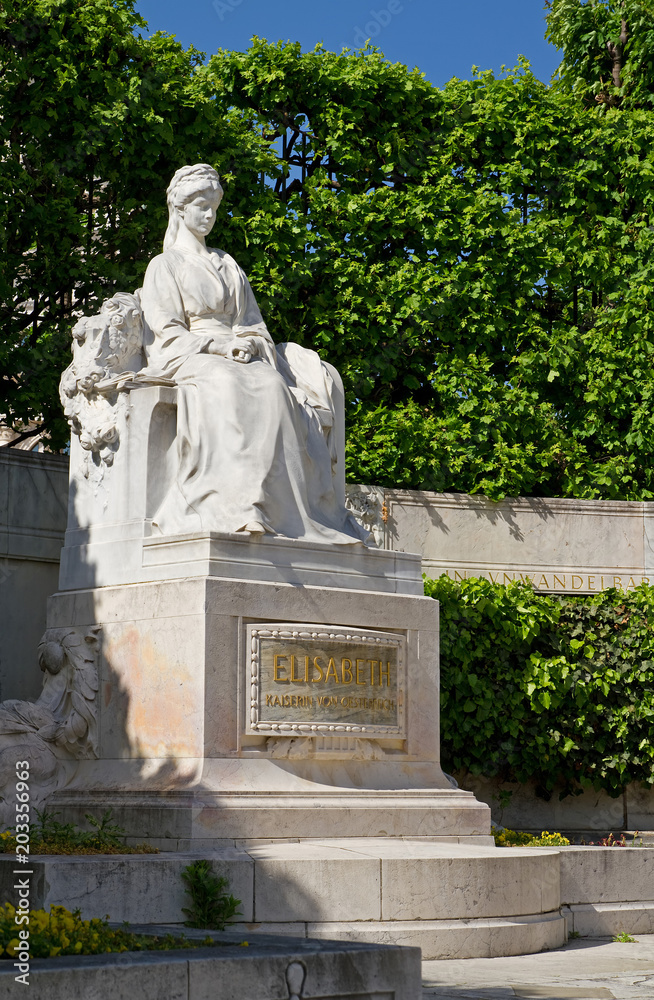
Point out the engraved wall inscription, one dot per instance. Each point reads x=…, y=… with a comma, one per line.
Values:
x=322, y=679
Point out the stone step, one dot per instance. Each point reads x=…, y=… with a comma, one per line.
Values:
x=449, y=899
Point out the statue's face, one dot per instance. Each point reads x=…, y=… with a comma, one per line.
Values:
x=199, y=214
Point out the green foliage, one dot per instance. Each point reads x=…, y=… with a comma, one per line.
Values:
x=556, y=689
x=624, y=938
x=211, y=907
x=62, y=932
x=590, y=33
x=513, y=838
x=94, y=119
x=478, y=261
x=49, y=836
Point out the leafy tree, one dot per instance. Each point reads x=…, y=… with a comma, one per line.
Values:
x=93, y=122
x=477, y=260
x=607, y=49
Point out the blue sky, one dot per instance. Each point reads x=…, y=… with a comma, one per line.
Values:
x=443, y=38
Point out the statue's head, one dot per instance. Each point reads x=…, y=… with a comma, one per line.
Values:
x=190, y=184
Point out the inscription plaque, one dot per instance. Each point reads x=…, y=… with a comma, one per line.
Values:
x=323, y=679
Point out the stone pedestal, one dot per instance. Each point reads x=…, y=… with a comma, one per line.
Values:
x=212, y=729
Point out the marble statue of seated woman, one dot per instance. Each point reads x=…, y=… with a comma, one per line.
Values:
x=257, y=445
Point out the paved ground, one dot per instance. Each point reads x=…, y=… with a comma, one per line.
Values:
x=587, y=969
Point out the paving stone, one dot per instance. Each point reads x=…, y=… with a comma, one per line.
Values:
x=586, y=969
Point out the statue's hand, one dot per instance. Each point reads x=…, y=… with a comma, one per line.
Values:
x=242, y=349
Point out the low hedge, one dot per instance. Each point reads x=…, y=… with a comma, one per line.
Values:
x=552, y=688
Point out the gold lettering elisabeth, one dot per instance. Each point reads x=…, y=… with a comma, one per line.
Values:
x=346, y=671
x=307, y=660
x=358, y=672
x=278, y=668
x=373, y=664
x=269, y=701
x=591, y=583
x=299, y=678
x=331, y=672
x=385, y=673
x=632, y=583
x=617, y=582
x=321, y=674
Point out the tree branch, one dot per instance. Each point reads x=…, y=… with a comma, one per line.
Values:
x=616, y=52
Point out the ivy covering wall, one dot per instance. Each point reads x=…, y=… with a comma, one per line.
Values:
x=556, y=689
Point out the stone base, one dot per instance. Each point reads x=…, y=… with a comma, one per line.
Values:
x=119, y=554
x=181, y=759
x=202, y=819
x=451, y=900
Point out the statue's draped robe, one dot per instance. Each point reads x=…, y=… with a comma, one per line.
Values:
x=255, y=441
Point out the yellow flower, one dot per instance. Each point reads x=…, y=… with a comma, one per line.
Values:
x=54, y=951
x=13, y=947
x=78, y=947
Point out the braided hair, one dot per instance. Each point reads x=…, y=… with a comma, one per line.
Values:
x=185, y=185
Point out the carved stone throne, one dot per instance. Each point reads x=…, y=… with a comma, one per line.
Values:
x=124, y=459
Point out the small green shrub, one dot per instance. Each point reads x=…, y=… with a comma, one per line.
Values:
x=624, y=938
x=49, y=836
x=558, y=689
x=211, y=907
x=61, y=932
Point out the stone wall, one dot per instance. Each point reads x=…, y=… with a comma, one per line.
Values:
x=588, y=816
x=33, y=502
x=560, y=546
